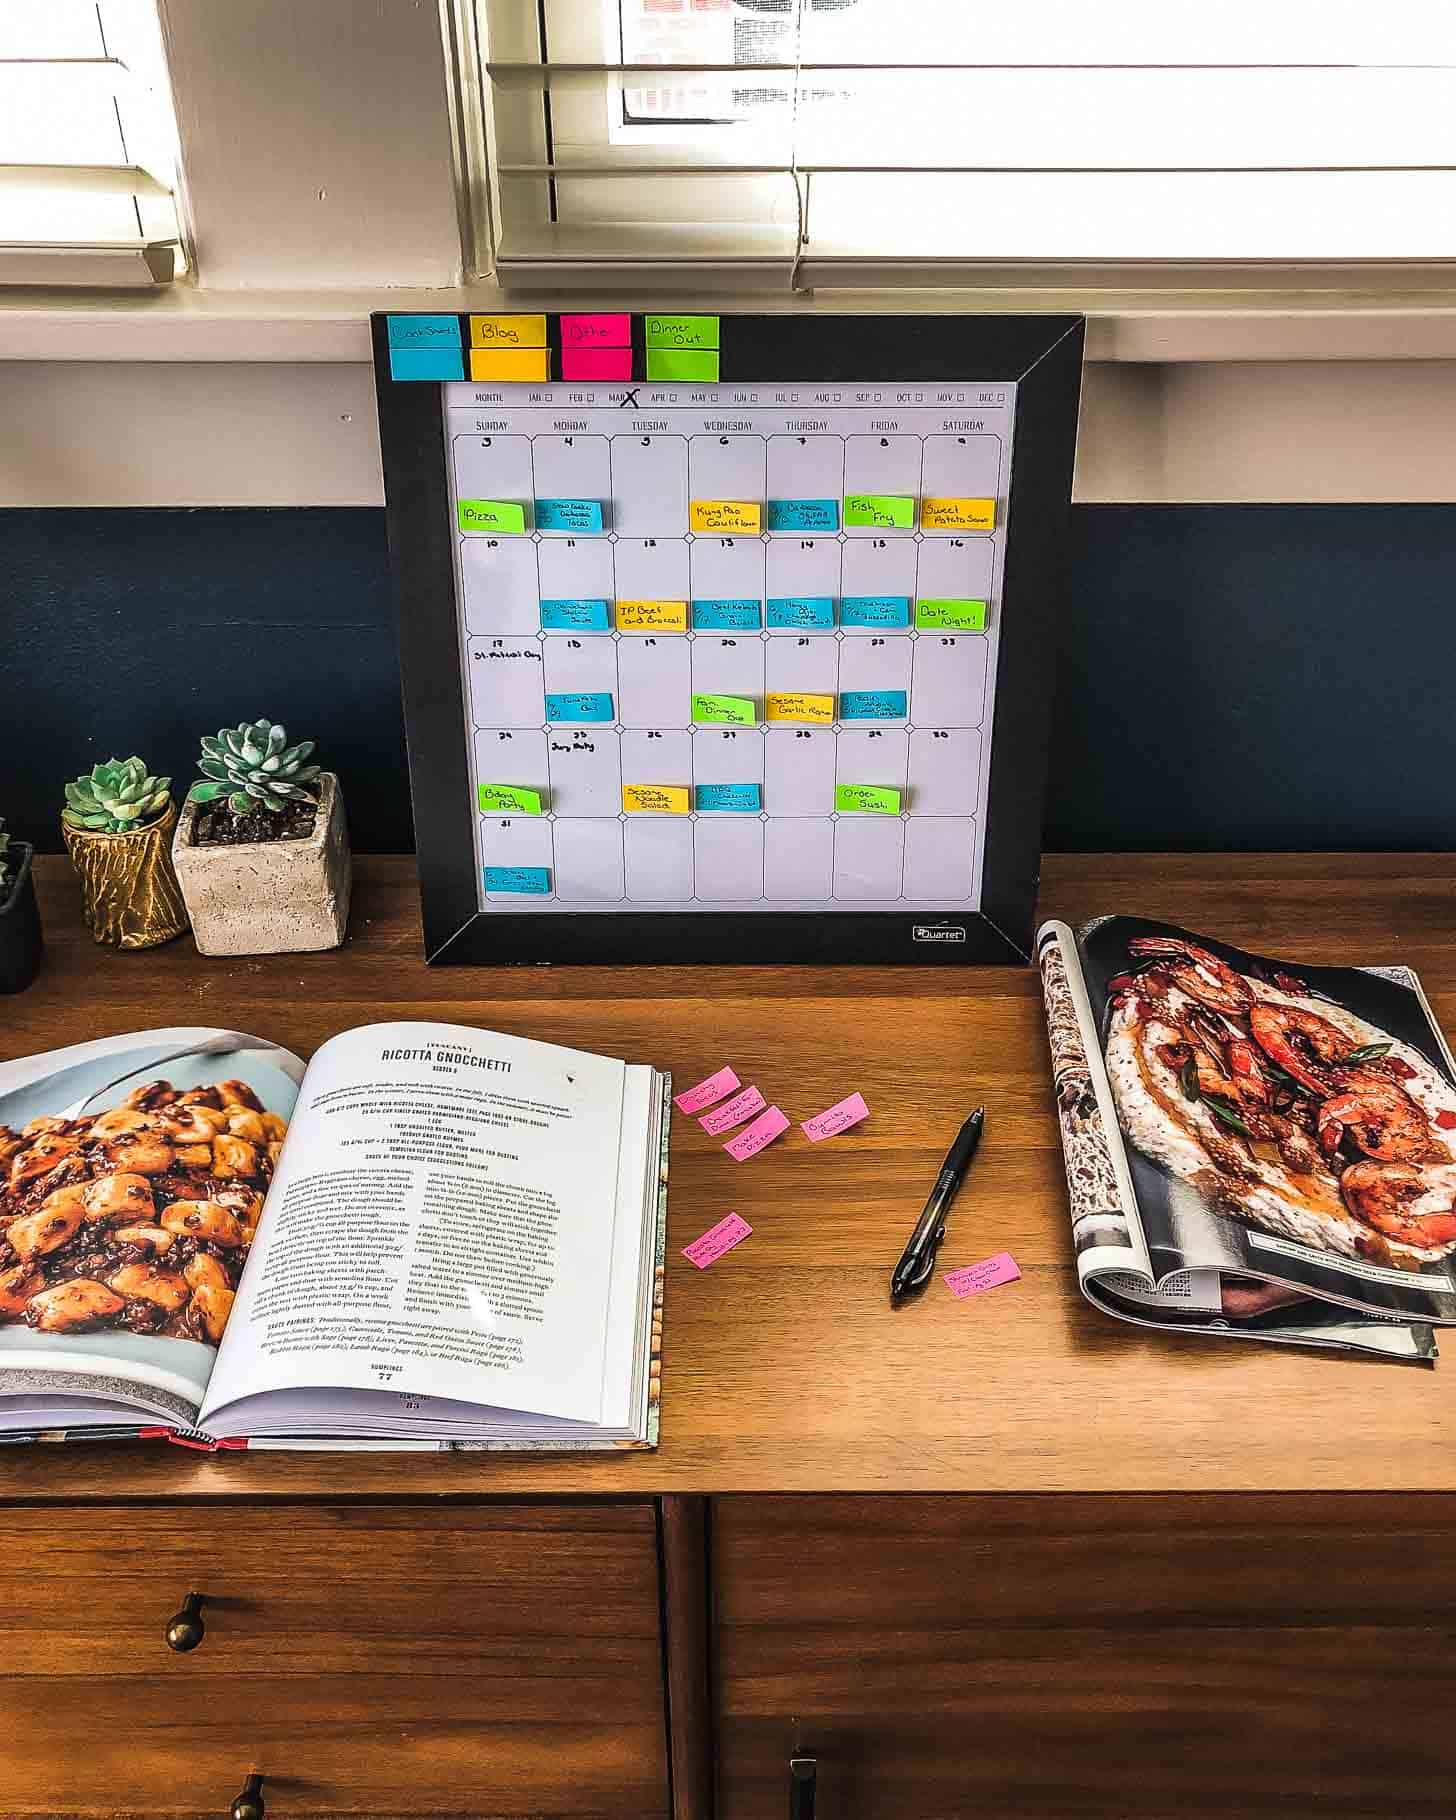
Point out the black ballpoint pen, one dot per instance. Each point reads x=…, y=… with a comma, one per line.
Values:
x=917, y=1261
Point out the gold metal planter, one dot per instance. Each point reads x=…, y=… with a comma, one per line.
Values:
x=130, y=897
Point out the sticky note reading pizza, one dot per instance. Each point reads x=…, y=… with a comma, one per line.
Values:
x=957, y=514
x=500, y=516
x=655, y=799
x=724, y=516
x=652, y=616
x=816, y=709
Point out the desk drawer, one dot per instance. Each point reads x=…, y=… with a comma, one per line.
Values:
x=369, y=1660
x=1051, y=1657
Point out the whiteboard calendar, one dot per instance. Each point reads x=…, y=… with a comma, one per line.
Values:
x=725, y=646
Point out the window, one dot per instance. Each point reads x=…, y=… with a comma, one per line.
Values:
x=88, y=152
x=821, y=142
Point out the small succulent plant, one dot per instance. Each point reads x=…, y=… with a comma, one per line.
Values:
x=116, y=798
x=254, y=767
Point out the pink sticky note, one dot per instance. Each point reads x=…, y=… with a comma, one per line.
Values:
x=731, y=1230
x=596, y=331
x=596, y=363
x=985, y=1275
x=764, y=1129
x=733, y=1112
x=836, y=1119
x=708, y=1092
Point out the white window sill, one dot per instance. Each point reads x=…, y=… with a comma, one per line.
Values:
x=179, y=323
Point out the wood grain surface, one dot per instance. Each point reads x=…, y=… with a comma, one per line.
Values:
x=784, y=1367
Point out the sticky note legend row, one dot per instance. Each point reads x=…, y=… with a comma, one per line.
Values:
x=516, y=347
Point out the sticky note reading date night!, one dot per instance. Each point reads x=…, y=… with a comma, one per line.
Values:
x=731, y=1230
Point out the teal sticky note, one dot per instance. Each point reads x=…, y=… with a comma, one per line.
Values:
x=802, y=515
x=574, y=616
x=875, y=610
x=426, y=363
x=726, y=615
x=523, y=881
x=684, y=364
x=680, y=332
x=809, y=613
x=743, y=798
x=579, y=707
x=873, y=704
x=569, y=515
x=424, y=331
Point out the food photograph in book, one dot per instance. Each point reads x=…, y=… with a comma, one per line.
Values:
x=1312, y=1106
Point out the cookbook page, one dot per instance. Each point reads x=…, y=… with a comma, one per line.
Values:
x=441, y=1226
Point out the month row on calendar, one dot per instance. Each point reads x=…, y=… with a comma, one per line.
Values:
x=737, y=861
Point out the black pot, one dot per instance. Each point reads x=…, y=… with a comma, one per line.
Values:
x=19, y=922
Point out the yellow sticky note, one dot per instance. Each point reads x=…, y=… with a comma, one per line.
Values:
x=510, y=363
x=652, y=616
x=508, y=331
x=655, y=799
x=818, y=708
x=958, y=515
x=725, y=515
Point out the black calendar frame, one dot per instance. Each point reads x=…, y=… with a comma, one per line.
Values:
x=1042, y=355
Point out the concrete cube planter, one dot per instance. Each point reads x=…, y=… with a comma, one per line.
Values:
x=270, y=896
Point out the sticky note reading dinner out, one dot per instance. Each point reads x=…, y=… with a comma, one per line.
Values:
x=574, y=616
x=519, y=881
x=724, y=515
x=755, y=1137
x=498, y=515
x=681, y=331
x=580, y=515
x=727, y=615
x=838, y=1118
x=957, y=514
x=742, y=799
x=579, y=707
x=872, y=799
x=731, y=1230
x=687, y=365
x=510, y=799
x=816, y=708
x=508, y=331
x=652, y=616
x=707, y=1092
x=884, y=510
x=802, y=515
x=950, y=615
x=873, y=704
x=724, y=711
x=655, y=799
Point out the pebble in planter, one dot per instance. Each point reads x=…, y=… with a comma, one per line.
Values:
x=117, y=826
x=19, y=918
x=262, y=848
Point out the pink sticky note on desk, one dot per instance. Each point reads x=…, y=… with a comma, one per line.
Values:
x=731, y=1230
x=708, y=1092
x=732, y=1112
x=596, y=330
x=836, y=1119
x=596, y=363
x=985, y=1275
x=764, y=1129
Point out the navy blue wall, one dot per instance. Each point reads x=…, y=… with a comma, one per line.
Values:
x=1231, y=676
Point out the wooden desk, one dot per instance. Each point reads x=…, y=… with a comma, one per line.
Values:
x=1276, y=1645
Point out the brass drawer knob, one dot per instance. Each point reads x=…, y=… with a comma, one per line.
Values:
x=249, y=1804
x=185, y=1629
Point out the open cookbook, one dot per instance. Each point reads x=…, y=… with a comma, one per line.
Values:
x=431, y=1236
x=1253, y=1147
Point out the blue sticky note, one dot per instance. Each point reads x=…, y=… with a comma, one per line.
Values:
x=873, y=704
x=802, y=515
x=525, y=881
x=742, y=797
x=726, y=616
x=568, y=515
x=426, y=363
x=807, y=612
x=874, y=610
x=579, y=707
x=574, y=616
x=424, y=331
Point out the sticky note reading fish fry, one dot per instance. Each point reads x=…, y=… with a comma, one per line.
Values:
x=731, y=1230
x=707, y=1093
x=732, y=1112
x=755, y=1137
x=838, y=1118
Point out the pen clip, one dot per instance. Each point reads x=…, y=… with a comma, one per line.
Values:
x=925, y=1269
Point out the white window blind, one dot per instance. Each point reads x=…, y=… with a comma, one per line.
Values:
x=88, y=152
x=822, y=142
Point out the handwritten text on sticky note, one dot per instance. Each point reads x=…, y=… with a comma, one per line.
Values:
x=509, y=799
x=885, y=511
x=724, y=516
x=873, y=704
x=838, y=1118
x=806, y=612
x=596, y=331
x=586, y=705
x=574, y=616
x=580, y=515
x=816, y=708
x=957, y=514
x=739, y=798
x=652, y=616
x=520, y=881
x=803, y=515
x=508, y=331
x=655, y=799
x=731, y=1230
x=950, y=615
x=491, y=515
x=681, y=331
x=732, y=1112
x=866, y=799
x=726, y=615
x=707, y=1093
x=985, y=1275
x=723, y=711
x=753, y=1138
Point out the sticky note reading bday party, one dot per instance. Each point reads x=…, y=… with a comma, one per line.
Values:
x=986, y=1275
x=859, y=799
x=509, y=799
x=498, y=515
x=731, y=1230
x=950, y=615
x=652, y=616
x=707, y=1093
x=816, y=708
x=724, y=516
x=957, y=514
x=655, y=799
x=838, y=1118
x=732, y=1112
x=886, y=511
x=723, y=711
x=510, y=363
x=753, y=1138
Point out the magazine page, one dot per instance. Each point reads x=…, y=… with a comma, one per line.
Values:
x=132, y=1175
x=1281, y=1122
x=441, y=1227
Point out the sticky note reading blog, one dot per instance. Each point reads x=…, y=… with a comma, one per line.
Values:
x=707, y=1093
x=838, y=1118
x=985, y=1275
x=731, y=1230
x=755, y=1137
x=732, y=1112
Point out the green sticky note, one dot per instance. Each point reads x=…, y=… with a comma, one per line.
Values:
x=683, y=364
x=723, y=711
x=883, y=510
x=877, y=798
x=511, y=799
x=950, y=615
x=491, y=515
x=680, y=331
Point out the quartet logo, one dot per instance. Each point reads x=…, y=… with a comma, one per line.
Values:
x=938, y=932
